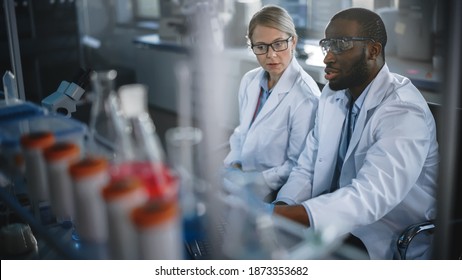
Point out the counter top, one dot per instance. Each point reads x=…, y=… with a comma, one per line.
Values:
x=155, y=42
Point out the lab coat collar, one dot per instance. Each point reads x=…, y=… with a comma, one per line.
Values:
x=341, y=96
x=281, y=89
x=379, y=88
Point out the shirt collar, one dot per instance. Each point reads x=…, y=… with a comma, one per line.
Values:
x=360, y=101
x=264, y=83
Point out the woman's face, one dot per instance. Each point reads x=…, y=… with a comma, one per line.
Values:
x=273, y=62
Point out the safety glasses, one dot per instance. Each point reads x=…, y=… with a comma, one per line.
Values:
x=339, y=45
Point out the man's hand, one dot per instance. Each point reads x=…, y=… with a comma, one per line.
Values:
x=295, y=213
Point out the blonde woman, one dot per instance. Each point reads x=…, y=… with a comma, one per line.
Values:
x=277, y=107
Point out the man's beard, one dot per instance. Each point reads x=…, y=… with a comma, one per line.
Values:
x=358, y=76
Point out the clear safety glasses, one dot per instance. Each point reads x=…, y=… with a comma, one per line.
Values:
x=339, y=45
x=277, y=46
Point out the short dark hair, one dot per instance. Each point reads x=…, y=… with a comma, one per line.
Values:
x=371, y=24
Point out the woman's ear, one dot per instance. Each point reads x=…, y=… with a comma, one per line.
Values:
x=294, y=42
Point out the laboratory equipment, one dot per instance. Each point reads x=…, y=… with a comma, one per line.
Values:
x=33, y=146
x=159, y=230
x=252, y=231
x=58, y=158
x=11, y=114
x=65, y=98
x=413, y=29
x=13, y=40
x=27, y=118
x=182, y=151
x=17, y=239
x=10, y=88
x=121, y=197
x=24, y=118
x=89, y=176
x=103, y=116
x=178, y=23
x=236, y=29
x=139, y=146
x=389, y=16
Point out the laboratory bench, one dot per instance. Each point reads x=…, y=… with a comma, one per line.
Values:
x=53, y=241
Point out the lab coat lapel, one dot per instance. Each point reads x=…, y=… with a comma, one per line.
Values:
x=334, y=113
x=335, y=117
x=281, y=89
x=378, y=91
x=254, y=93
x=273, y=100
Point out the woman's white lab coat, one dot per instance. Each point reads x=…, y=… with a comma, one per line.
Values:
x=388, y=179
x=274, y=141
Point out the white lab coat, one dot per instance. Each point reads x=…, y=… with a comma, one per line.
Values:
x=388, y=180
x=274, y=141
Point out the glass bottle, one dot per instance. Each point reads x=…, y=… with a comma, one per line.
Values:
x=141, y=152
x=142, y=156
x=102, y=132
x=182, y=144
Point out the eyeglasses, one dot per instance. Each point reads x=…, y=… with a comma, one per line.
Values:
x=339, y=45
x=277, y=46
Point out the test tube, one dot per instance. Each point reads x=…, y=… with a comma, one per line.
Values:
x=121, y=197
x=33, y=144
x=159, y=230
x=58, y=158
x=89, y=176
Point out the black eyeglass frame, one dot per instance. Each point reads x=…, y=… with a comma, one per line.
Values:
x=346, y=39
x=271, y=45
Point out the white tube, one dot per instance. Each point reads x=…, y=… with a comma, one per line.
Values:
x=89, y=176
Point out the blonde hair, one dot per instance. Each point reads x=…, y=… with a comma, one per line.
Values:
x=272, y=16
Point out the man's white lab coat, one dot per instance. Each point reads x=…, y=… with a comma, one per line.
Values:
x=388, y=179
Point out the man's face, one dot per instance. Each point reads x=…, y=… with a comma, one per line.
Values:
x=349, y=68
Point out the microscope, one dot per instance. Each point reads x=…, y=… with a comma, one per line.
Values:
x=65, y=98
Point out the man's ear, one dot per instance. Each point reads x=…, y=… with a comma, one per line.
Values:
x=375, y=50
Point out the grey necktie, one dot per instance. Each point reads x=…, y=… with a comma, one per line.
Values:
x=347, y=130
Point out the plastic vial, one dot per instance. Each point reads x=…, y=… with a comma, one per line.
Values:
x=121, y=197
x=33, y=145
x=58, y=158
x=89, y=177
x=159, y=230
